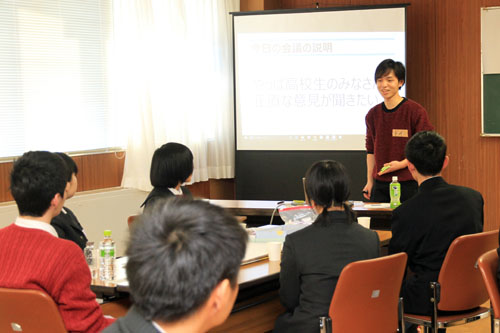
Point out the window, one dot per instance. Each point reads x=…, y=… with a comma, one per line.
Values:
x=54, y=92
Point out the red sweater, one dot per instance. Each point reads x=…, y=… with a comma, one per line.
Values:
x=388, y=131
x=35, y=259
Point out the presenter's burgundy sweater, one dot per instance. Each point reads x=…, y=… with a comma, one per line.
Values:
x=35, y=259
x=388, y=131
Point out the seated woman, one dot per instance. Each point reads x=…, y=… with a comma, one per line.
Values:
x=66, y=223
x=313, y=257
x=172, y=165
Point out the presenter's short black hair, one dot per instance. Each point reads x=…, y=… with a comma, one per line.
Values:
x=172, y=163
x=179, y=250
x=388, y=65
x=427, y=151
x=70, y=164
x=35, y=179
x=328, y=184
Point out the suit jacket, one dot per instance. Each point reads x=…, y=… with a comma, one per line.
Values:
x=162, y=192
x=68, y=227
x=131, y=323
x=424, y=227
x=311, y=263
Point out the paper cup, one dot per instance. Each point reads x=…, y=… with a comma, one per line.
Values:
x=274, y=251
x=364, y=221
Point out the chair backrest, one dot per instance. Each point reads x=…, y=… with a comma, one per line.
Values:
x=367, y=294
x=488, y=265
x=25, y=310
x=462, y=287
x=131, y=220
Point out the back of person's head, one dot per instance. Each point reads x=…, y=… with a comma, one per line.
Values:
x=328, y=184
x=388, y=65
x=35, y=179
x=172, y=163
x=179, y=251
x=427, y=151
x=70, y=164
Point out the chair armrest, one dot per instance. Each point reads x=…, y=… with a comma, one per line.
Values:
x=325, y=324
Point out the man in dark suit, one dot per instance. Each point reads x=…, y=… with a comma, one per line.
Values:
x=426, y=225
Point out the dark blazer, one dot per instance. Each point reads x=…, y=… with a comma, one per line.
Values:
x=163, y=192
x=132, y=322
x=311, y=263
x=424, y=227
x=68, y=227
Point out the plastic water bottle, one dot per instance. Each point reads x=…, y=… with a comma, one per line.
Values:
x=89, y=253
x=395, y=192
x=107, y=257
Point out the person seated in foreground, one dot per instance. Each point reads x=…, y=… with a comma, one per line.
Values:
x=31, y=254
x=66, y=223
x=171, y=166
x=184, y=256
x=425, y=226
x=314, y=257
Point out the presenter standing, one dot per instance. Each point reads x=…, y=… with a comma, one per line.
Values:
x=389, y=125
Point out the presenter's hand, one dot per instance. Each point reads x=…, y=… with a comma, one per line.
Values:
x=392, y=166
x=367, y=190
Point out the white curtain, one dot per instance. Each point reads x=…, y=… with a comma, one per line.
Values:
x=171, y=69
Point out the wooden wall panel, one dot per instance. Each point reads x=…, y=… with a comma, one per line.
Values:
x=293, y=4
x=200, y=189
x=4, y=181
x=95, y=171
x=474, y=161
x=490, y=3
x=214, y=189
x=222, y=189
x=252, y=5
x=99, y=170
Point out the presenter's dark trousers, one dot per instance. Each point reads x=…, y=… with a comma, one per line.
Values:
x=380, y=191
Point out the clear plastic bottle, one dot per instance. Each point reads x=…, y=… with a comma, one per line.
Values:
x=395, y=192
x=89, y=253
x=107, y=257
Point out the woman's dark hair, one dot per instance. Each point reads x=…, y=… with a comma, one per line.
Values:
x=328, y=184
x=70, y=164
x=172, y=163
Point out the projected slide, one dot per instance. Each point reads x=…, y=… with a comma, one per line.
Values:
x=309, y=90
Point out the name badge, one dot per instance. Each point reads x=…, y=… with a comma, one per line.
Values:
x=400, y=133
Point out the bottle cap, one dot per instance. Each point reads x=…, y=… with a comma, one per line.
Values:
x=107, y=233
x=394, y=179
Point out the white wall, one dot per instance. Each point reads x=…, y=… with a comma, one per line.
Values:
x=96, y=211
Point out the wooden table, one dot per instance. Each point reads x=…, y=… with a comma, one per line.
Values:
x=257, y=305
x=266, y=208
x=263, y=209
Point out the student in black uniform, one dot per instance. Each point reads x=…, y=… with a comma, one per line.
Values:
x=66, y=223
x=172, y=166
x=313, y=257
